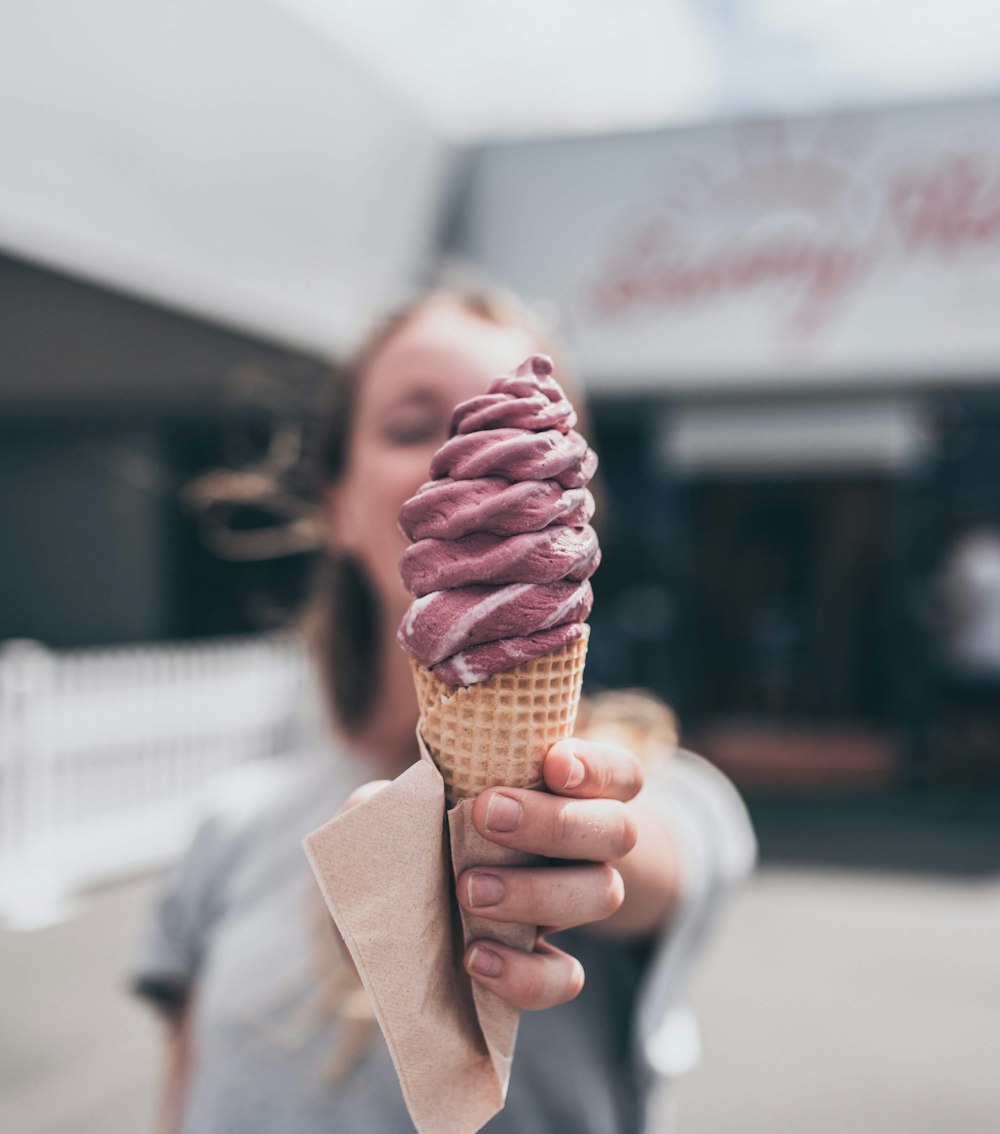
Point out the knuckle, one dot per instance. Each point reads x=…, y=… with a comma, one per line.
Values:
x=628, y=833
x=607, y=778
x=621, y=774
x=530, y=984
x=636, y=775
x=614, y=891
x=562, y=823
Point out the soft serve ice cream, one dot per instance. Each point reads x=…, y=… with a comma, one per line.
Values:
x=503, y=548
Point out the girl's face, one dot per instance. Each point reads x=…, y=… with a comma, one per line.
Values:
x=440, y=357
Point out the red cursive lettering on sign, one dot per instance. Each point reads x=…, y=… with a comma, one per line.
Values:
x=814, y=274
x=949, y=210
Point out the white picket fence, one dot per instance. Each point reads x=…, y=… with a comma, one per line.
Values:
x=106, y=755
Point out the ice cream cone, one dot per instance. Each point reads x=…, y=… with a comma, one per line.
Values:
x=496, y=733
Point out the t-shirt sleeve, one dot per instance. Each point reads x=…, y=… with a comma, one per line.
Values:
x=717, y=852
x=172, y=944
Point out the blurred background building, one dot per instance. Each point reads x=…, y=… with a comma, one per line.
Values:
x=789, y=327
x=770, y=234
x=787, y=322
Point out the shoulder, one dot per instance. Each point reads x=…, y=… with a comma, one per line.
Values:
x=265, y=797
x=244, y=799
x=246, y=842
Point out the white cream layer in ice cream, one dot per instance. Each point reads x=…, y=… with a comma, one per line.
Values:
x=503, y=550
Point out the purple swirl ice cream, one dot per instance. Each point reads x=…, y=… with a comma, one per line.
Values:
x=502, y=549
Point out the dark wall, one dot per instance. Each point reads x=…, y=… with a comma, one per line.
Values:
x=85, y=542
x=107, y=406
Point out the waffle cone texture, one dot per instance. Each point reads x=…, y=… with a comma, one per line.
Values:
x=496, y=733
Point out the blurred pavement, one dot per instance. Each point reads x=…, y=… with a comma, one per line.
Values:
x=77, y=1056
x=833, y=1001
x=850, y=1003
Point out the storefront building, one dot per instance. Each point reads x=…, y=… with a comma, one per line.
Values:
x=790, y=331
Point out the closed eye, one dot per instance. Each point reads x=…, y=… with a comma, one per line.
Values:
x=413, y=424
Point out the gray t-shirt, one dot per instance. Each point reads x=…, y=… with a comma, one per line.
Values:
x=241, y=923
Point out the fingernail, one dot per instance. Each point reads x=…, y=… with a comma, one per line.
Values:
x=502, y=813
x=485, y=962
x=485, y=889
x=576, y=773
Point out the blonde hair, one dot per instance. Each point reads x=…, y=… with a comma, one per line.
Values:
x=634, y=718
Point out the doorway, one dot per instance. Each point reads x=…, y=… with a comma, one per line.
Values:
x=791, y=625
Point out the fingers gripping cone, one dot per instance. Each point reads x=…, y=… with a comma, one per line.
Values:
x=496, y=733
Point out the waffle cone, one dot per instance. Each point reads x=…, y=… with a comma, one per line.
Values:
x=496, y=733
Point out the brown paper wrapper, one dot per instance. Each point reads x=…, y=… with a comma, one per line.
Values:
x=387, y=870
